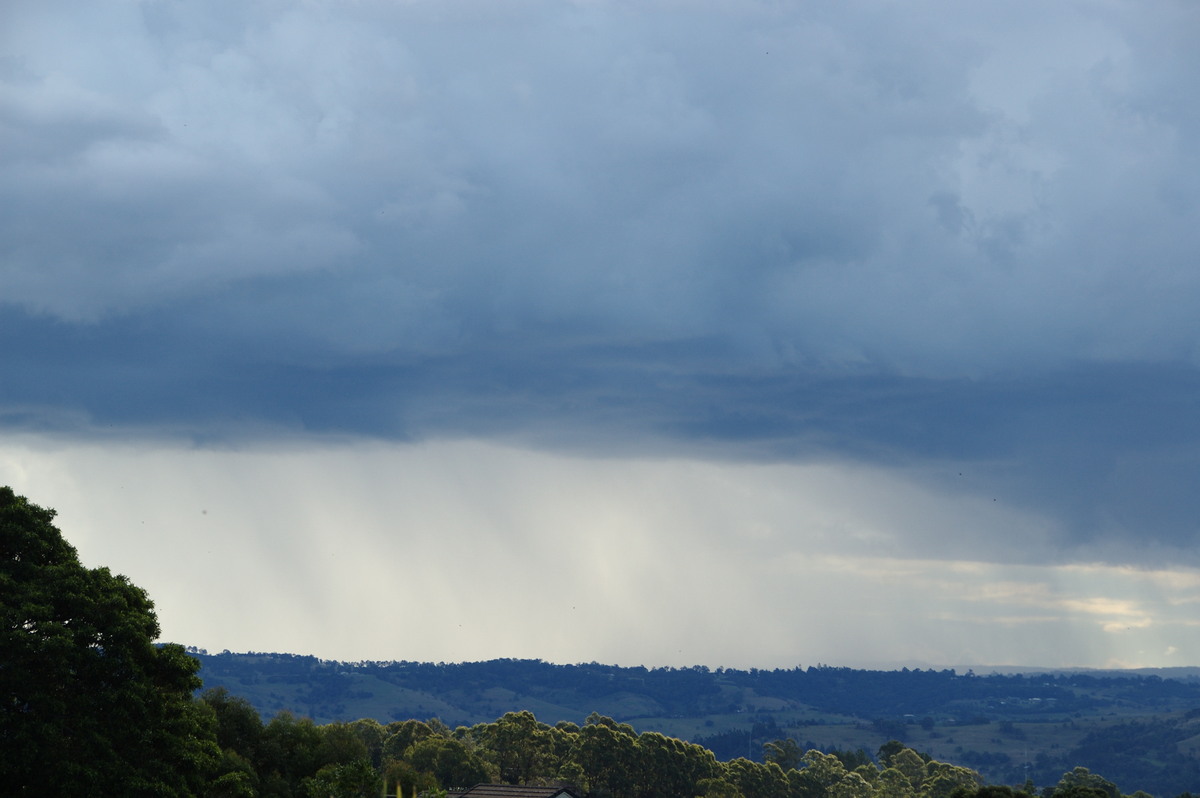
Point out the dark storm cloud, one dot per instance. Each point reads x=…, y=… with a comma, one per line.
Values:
x=935, y=236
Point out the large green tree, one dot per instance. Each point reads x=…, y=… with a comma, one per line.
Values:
x=521, y=747
x=606, y=753
x=89, y=705
x=450, y=761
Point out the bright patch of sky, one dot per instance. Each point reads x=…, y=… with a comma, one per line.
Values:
x=466, y=551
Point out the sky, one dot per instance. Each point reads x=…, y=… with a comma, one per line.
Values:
x=744, y=334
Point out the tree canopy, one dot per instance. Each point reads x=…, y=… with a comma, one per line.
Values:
x=88, y=703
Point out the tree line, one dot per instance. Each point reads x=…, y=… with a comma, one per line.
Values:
x=291, y=756
x=698, y=690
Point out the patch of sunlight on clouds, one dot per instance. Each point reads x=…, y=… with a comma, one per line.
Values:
x=1100, y=606
x=450, y=551
x=1116, y=627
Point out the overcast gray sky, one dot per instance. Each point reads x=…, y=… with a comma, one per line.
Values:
x=743, y=334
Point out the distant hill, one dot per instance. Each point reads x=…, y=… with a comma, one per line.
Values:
x=1139, y=729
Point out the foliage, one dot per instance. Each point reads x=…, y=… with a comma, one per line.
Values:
x=88, y=703
x=355, y=779
x=1157, y=754
x=1005, y=726
x=520, y=747
x=785, y=752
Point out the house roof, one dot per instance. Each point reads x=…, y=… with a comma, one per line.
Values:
x=517, y=791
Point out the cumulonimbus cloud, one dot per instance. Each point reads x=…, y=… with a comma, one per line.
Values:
x=925, y=236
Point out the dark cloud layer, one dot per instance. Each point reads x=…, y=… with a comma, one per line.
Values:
x=958, y=239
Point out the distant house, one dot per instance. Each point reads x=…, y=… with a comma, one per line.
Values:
x=515, y=791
